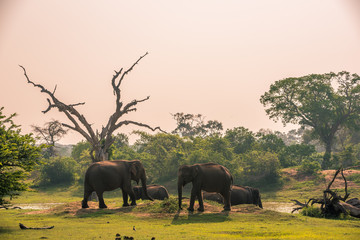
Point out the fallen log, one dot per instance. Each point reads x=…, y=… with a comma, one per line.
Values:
x=354, y=201
x=350, y=209
x=22, y=226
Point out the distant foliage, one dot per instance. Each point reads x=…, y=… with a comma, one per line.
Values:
x=59, y=170
x=293, y=155
x=310, y=166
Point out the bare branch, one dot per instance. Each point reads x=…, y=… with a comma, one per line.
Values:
x=131, y=68
x=127, y=122
x=100, y=141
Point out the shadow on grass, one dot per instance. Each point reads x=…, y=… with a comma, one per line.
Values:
x=200, y=218
x=5, y=230
x=93, y=213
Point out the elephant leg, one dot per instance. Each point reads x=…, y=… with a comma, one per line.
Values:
x=87, y=193
x=132, y=198
x=130, y=192
x=226, y=195
x=125, y=198
x=101, y=200
x=192, y=200
x=201, y=203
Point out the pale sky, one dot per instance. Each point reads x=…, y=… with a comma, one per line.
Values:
x=210, y=57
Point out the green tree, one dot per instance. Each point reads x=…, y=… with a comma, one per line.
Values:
x=241, y=139
x=269, y=142
x=194, y=125
x=18, y=155
x=324, y=102
x=79, y=148
x=59, y=170
x=161, y=153
x=260, y=166
x=294, y=154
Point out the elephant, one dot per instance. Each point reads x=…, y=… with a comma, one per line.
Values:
x=110, y=175
x=239, y=195
x=210, y=177
x=155, y=191
x=245, y=195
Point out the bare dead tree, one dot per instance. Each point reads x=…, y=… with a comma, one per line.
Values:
x=332, y=203
x=99, y=140
x=51, y=133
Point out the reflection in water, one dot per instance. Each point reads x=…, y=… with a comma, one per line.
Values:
x=279, y=206
x=37, y=206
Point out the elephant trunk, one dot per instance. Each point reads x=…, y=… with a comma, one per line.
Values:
x=143, y=183
x=180, y=187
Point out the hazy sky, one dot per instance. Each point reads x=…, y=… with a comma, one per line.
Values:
x=210, y=57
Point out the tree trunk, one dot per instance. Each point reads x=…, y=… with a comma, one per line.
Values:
x=327, y=156
x=353, y=211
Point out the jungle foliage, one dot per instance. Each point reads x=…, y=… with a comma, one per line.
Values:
x=252, y=158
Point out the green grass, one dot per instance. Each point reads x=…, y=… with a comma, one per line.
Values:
x=105, y=224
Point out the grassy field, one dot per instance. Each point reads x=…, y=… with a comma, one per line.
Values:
x=160, y=219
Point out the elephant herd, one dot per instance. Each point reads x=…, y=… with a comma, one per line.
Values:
x=210, y=181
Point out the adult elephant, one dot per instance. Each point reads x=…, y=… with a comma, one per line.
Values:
x=209, y=177
x=155, y=191
x=239, y=195
x=109, y=175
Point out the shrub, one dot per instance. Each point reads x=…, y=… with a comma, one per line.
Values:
x=310, y=167
x=312, y=211
x=59, y=170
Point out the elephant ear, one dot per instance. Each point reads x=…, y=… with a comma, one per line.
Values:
x=195, y=171
x=134, y=169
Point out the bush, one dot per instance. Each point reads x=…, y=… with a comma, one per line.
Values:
x=59, y=170
x=312, y=211
x=261, y=167
x=310, y=167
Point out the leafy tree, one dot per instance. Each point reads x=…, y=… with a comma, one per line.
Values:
x=324, y=102
x=260, y=166
x=293, y=155
x=79, y=148
x=59, y=170
x=241, y=139
x=18, y=155
x=161, y=153
x=269, y=142
x=51, y=133
x=194, y=125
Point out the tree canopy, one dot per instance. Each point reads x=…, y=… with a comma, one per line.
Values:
x=324, y=102
x=194, y=125
x=18, y=155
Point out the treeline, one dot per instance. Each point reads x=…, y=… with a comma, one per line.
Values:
x=254, y=158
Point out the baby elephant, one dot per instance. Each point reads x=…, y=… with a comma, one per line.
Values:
x=154, y=191
x=239, y=195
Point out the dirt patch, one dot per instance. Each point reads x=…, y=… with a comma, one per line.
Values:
x=327, y=175
x=141, y=210
x=339, y=181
